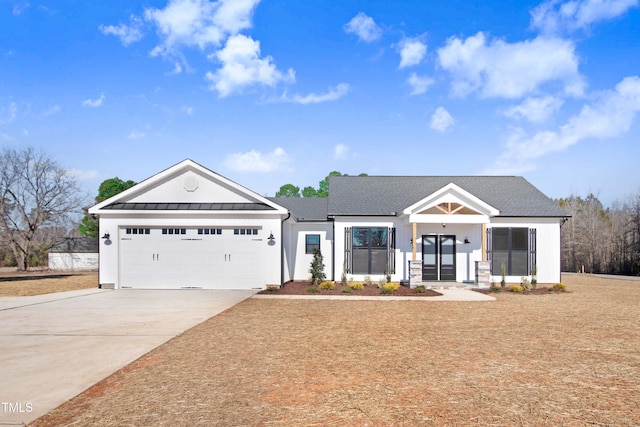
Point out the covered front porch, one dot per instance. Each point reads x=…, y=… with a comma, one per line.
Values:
x=448, y=236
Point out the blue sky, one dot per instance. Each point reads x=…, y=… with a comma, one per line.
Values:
x=272, y=92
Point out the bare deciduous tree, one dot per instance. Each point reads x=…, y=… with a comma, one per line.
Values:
x=35, y=193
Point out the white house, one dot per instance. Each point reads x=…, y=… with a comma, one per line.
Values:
x=188, y=227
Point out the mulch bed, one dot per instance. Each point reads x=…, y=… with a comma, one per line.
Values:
x=567, y=359
x=302, y=288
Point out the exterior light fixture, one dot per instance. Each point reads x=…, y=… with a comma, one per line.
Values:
x=466, y=240
x=271, y=238
x=106, y=236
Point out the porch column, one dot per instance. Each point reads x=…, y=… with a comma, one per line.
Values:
x=484, y=242
x=413, y=240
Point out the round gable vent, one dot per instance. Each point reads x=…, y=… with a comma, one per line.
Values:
x=190, y=183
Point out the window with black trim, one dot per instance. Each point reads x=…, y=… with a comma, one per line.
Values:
x=312, y=242
x=370, y=250
x=514, y=248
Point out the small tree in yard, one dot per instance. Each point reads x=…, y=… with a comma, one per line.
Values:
x=35, y=193
x=317, y=268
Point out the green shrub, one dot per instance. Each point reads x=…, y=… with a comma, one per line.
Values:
x=313, y=290
x=516, y=289
x=357, y=286
x=317, y=268
x=559, y=287
x=420, y=289
x=382, y=282
x=327, y=285
x=495, y=288
x=385, y=290
x=525, y=283
x=347, y=290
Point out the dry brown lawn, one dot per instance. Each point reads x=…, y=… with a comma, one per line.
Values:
x=44, y=282
x=568, y=359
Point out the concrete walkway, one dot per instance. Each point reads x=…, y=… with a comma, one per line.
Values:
x=53, y=347
x=453, y=294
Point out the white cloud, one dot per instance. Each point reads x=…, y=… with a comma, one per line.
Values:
x=187, y=110
x=201, y=23
x=332, y=95
x=53, y=110
x=94, y=103
x=242, y=67
x=535, y=110
x=364, y=27
x=126, y=33
x=255, y=161
x=419, y=84
x=8, y=114
x=441, y=120
x=610, y=116
x=555, y=17
x=340, y=152
x=135, y=134
x=19, y=8
x=412, y=52
x=510, y=70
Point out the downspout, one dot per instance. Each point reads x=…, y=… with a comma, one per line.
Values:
x=282, y=248
x=333, y=250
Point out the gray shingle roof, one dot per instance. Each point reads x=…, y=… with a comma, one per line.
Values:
x=304, y=209
x=76, y=245
x=385, y=195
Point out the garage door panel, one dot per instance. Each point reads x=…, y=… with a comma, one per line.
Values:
x=191, y=260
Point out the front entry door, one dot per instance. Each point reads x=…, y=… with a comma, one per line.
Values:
x=439, y=257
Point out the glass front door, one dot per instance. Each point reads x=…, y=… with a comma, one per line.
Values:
x=439, y=257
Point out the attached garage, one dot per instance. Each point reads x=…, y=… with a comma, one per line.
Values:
x=186, y=258
x=189, y=228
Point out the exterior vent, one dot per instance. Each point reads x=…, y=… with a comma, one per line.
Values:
x=107, y=286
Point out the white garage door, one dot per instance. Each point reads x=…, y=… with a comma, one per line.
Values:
x=181, y=258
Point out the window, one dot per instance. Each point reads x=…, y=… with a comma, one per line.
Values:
x=138, y=231
x=515, y=248
x=209, y=231
x=174, y=231
x=370, y=250
x=245, y=231
x=312, y=242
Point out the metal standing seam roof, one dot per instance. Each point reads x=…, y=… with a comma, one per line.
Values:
x=389, y=195
x=189, y=206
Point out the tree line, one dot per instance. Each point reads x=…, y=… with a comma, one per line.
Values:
x=290, y=190
x=601, y=240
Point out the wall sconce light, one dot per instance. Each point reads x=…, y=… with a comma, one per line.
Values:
x=271, y=238
x=106, y=236
x=466, y=240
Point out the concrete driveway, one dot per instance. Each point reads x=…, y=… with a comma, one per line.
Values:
x=52, y=347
